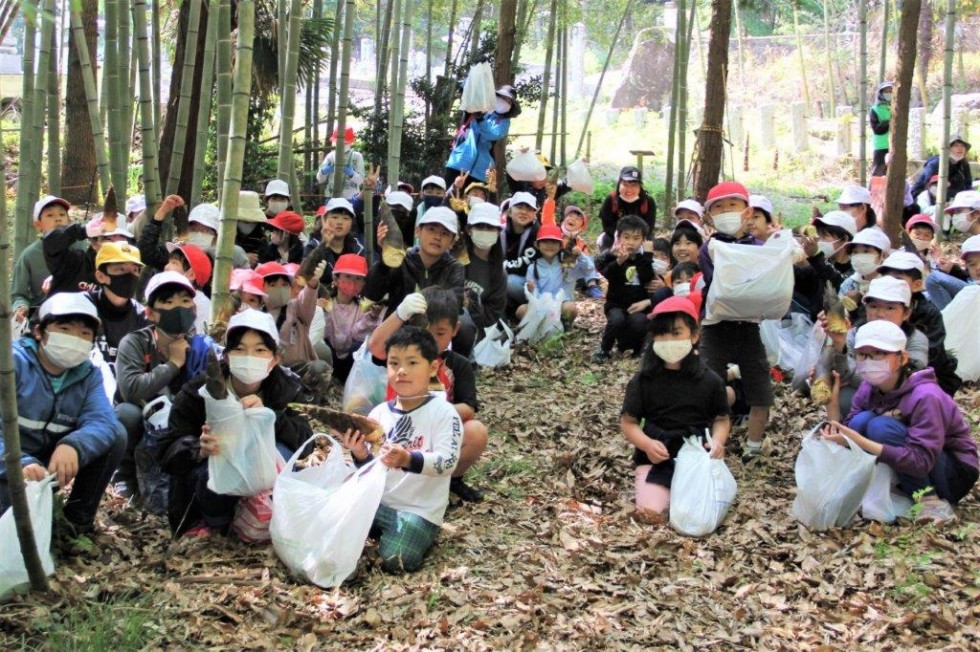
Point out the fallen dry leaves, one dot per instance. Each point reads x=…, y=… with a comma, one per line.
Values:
x=554, y=558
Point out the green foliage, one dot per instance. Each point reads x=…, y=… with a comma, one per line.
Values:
x=123, y=621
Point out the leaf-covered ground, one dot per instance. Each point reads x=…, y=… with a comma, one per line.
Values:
x=554, y=557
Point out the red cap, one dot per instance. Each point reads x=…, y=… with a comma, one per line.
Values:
x=351, y=264
x=724, y=190
x=921, y=218
x=292, y=269
x=550, y=232
x=676, y=304
x=265, y=270
x=348, y=136
x=247, y=281
x=198, y=260
x=288, y=221
x=321, y=211
x=934, y=178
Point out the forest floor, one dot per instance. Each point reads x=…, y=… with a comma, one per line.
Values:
x=552, y=559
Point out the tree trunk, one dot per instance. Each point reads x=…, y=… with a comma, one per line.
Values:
x=344, y=98
x=895, y=192
x=453, y=14
x=546, y=77
x=475, y=30
x=925, y=51
x=79, y=164
x=521, y=23
x=948, y=38
x=151, y=178
x=397, y=121
x=863, y=92
x=287, y=103
x=710, y=133
x=183, y=103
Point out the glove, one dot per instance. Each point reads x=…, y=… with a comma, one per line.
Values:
x=413, y=304
x=349, y=171
x=326, y=169
x=319, y=270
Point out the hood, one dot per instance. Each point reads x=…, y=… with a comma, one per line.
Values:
x=925, y=377
x=881, y=89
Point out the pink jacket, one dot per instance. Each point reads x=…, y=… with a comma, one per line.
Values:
x=347, y=326
x=294, y=334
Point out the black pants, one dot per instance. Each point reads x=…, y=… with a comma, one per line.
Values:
x=627, y=330
x=878, y=166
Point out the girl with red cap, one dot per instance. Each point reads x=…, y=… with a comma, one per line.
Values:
x=675, y=395
x=348, y=323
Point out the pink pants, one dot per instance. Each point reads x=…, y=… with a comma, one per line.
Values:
x=650, y=497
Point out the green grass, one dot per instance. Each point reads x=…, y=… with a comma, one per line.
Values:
x=122, y=622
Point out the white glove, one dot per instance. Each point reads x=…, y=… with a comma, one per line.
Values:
x=413, y=304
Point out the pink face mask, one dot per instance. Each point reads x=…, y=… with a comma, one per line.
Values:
x=349, y=288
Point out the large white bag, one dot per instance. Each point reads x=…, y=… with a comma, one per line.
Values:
x=749, y=282
x=320, y=521
x=831, y=480
x=494, y=349
x=525, y=166
x=578, y=177
x=40, y=501
x=881, y=502
x=807, y=359
x=366, y=384
x=701, y=492
x=479, y=93
x=543, y=317
x=962, y=319
x=247, y=461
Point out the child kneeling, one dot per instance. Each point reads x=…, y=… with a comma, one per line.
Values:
x=423, y=434
x=677, y=396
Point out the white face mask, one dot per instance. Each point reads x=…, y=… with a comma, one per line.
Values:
x=200, y=240
x=66, y=351
x=828, y=249
x=864, y=264
x=247, y=227
x=728, y=223
x=473, y=200
x=484, y=239
x=660, y=266
x=962, y=222
x=672, y=351
x=501, y=106
x=278, y=297
x=874, y=372
x=682, y=289
x=248, y=369
x=922, y=245
x=887, y=97
x=955, y=158
x=277, y=206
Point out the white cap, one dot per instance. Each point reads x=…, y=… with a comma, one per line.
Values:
x=852, y=194
x=206, y=215
x=434, y=180
x=259, y=321
x=524, y=198
x=692, y=205
x=964, y=199
x=167, y=278
x=46, y=201
x=120, y=230
x=399, y=198
x=882, y=335
x=872, y=238
x=970, y=246
x=340, y=204
x=891, y=289
x=904, y=261
x=135, y=204
x=277, y=187
x=441, y=215
x=840, y=219
x=762, y=203
x=484, y=213
x=64, y=304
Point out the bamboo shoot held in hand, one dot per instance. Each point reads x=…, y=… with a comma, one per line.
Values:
x=393, y=247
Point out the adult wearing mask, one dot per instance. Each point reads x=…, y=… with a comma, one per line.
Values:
x=879, y=119
x=629, y=198
x=251, y=220
x=959, y=176
x=353, y=167
x=471, y=152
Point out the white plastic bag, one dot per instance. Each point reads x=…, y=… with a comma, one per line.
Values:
x=320, y=520
x=807, y=359
x=962, y=319
x=494, y=349
x=578, y=178
x=479, y=92
x=40, y=501
x=831, y=481
x=794, y=337
x=525, y=166
x=108, y=372
x=543, y=317
x=366, y=384
x=247, y=461
x=769, y=332
x=701, y=492
x=749, y=282
x=881, y=502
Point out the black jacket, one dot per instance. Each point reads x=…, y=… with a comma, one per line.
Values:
x=927, y=318
x=116, y=323
x=519, y=250
x=613, y=208
x=960, y=177
x=620, y=293
x=412, y=276
x=488, y=306
x=68, y=266
x=153, y=252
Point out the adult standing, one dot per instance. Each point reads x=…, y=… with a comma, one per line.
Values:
x=471, y=152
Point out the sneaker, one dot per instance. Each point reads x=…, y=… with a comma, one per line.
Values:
x=601, y=356
x=935, y=510
x=750, y=455
x=124, y=486
x=464, y=491
x=594, y=292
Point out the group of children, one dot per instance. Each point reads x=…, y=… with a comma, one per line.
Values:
x=123, y=377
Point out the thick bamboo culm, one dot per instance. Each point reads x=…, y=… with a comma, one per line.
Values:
x=948, y=37
x=91, y=98
x=398, y=122
x=223, y=73
x=24, y=208
x=343, y=99
x=204, y=107
x=546, y=77
x=151, y=173
x=184, y=101
x=288, y=100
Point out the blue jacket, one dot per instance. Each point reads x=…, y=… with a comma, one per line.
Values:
x=471, y=149
x=79, y=415
x=550, y=278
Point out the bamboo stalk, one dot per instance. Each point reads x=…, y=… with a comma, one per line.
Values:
x=475, y=30
x=832, y=95
x=54, y=120
x=36, y=148
x=151, y=173
x=241, y=92
x=948, y=37
x=315, y=84
x=204, y=108
x=397, y=125
x=675, y=86
x=91, y=97
x=738, y=39
x=800, y=56
x=127, y=74
x=453, y=13
x=287, y=104
x=184, y=102
x=344, y=99
x=381, y=55
x=883, y=59
x=281, y=39
x=394, y=49
x=224, y=76
x=682, y=103
x=863, y=90
x=23, y=210
x=8, y=397
x=157, y=57
x=564, y=86
x=546, y=77
x=559, y=55
x=523, y=21
x=110, y=98
x=334, y=61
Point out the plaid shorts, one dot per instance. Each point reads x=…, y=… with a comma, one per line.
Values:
x=405, y=538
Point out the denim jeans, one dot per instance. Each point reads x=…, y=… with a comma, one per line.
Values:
x=942, y=288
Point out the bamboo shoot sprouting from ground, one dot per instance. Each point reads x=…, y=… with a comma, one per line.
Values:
x=241, y=91
x=223, y=72
x=398, y=106
x=54, y=120
x=24, y=207
x=546, y=77
x=151, y=175
x=948, y=37
x=863, y=91
x=287, y=102
x=91, y=97
x=344, y=98
x=184, y=102
x=8, y=406
x=204, y=108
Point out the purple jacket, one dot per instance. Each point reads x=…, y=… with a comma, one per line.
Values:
x=934, y=421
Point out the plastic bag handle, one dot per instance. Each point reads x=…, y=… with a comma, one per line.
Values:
x=295, y=458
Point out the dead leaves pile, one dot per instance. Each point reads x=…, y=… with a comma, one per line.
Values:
x=554, y=557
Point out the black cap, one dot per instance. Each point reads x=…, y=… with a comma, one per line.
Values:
x=629, y=173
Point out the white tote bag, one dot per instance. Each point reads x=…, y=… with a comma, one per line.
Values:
x=749, y=282
x=40, y=501
x=366, y=384
x=831, y=481
x=701, y=492
x=247, y=459
x=881, y=502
